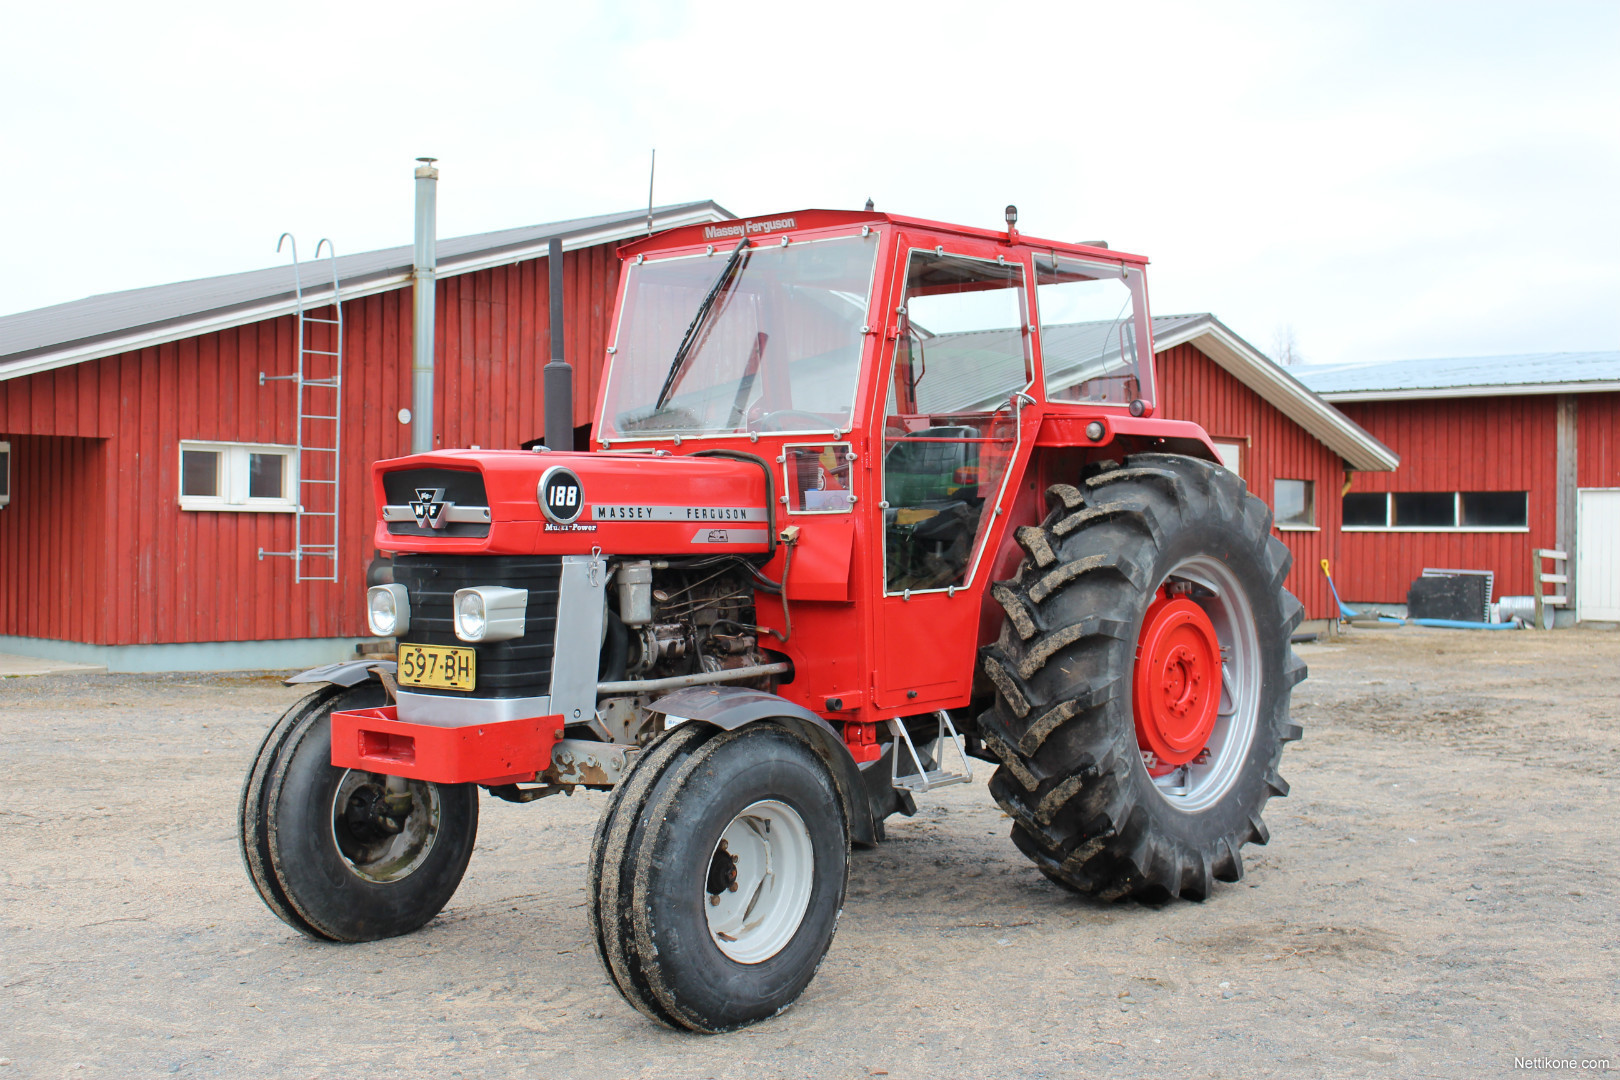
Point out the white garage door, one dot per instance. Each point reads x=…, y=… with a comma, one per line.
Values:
x=1597, y=575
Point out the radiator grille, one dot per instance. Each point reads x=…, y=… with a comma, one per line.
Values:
x=461, y=487
x=520, y=667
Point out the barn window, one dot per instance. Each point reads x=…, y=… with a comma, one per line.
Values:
x=1424, y=510
x=1294, y=503
x=237, y=476
x=1438, y=511
x=1494, y=509
x=5, y=473
x=1364, y=510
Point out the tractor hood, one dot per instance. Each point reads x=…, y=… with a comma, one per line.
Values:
x=515, y=502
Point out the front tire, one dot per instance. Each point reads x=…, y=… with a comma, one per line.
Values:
x=718, y=874
x=1143, y=678
x=338, y=854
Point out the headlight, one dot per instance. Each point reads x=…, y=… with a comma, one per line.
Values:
x=469, y=616
x=490, y=613
x=388, y=610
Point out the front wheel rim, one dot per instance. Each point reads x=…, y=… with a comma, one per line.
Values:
x=1204, y=780
x=371, y=852
x=757, y=884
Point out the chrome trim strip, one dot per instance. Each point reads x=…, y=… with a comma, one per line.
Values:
x=718, y=514
x=476, y=514
x=436, y=710
x=731, y=536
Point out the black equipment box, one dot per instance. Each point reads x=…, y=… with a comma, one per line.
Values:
x=1461, y=597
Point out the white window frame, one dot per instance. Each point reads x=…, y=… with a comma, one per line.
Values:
x=1310, y=486
x=1456, y=515
x=5, y=475
x=234, y=478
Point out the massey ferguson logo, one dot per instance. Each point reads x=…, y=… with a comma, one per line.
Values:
x=429, y=507
x=561, y=495
x=751, y=228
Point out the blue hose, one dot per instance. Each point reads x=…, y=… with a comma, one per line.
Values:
x=1459, y=624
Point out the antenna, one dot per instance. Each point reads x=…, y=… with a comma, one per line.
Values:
x=652, y=171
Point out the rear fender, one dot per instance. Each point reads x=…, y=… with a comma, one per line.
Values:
x=732, y=707
x=347, y=673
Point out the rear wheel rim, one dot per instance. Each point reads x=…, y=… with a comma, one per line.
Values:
x=371, y=853
x=1204, y=779
x=758, y=880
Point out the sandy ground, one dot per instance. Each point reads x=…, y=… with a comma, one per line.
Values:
x=1438, y=898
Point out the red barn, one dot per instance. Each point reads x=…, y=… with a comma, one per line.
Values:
x=1500, y=455
x=150, y=445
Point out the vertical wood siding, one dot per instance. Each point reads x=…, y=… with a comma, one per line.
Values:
x=1193, y=387
x=1455, y=444
x=1598, y=458
x=95, y=547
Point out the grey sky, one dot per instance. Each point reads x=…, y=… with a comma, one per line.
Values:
x=1391, y=180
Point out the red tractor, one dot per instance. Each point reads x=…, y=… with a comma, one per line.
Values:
x=868, y=497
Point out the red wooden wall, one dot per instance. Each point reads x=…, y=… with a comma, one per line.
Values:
x=94, y=546
x=1455, y=444
x=1598, y=420
x=1193, y=387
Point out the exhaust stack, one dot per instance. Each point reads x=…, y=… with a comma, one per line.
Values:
x=424, y=274
x=559, y=375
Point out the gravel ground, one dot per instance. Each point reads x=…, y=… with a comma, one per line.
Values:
x=1438, y=899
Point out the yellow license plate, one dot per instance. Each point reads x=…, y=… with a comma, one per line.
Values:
x=443, y=666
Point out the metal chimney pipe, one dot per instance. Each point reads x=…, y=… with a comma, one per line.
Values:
x=424, y=276
x=559, y=375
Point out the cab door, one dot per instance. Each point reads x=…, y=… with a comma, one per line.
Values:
x=959, y=374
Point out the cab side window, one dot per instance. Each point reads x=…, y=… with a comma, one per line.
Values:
x=1092, y=321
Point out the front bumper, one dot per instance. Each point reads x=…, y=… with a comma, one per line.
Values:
x=503, y=752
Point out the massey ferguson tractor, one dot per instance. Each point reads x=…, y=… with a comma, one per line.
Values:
x=867, y=498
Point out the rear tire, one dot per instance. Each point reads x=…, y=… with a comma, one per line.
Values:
x=313, y=840
x=704, y=810
x=1065, y=727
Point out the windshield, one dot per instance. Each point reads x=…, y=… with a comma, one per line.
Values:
x=778, y=349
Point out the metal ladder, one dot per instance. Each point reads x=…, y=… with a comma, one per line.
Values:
x=318, y=384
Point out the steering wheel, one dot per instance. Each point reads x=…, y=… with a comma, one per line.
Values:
x=781, y=419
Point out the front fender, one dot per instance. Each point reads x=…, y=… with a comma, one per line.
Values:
x=732, y=707
x=346, y=673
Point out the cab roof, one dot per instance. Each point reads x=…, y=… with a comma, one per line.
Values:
x=796, y=221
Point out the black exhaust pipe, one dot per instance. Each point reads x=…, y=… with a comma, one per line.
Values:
x=559, y=375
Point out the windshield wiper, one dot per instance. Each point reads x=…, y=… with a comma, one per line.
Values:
x=698, y=322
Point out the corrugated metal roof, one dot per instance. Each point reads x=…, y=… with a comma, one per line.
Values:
x=70, y=332
x=1558, y=372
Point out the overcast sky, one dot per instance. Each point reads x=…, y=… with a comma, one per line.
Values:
x=1390, y=180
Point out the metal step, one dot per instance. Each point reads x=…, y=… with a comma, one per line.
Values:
x=925, y=779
